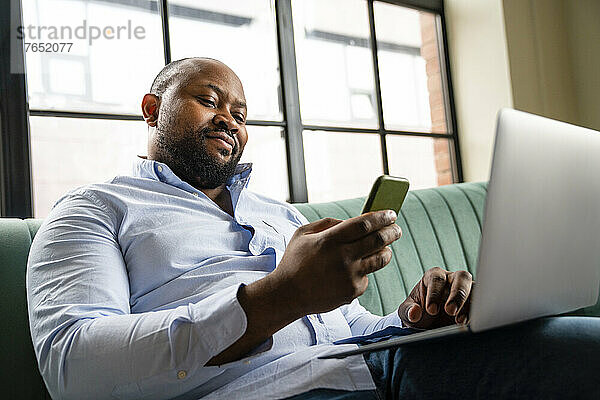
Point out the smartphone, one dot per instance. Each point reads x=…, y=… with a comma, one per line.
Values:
x=387, y=193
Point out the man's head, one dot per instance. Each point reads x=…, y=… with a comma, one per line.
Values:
x=196, y=112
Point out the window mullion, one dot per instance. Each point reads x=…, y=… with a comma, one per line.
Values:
x=291, y=102
x=455, y=156
x=15, y=169
x=164, y=17
x=373, y=38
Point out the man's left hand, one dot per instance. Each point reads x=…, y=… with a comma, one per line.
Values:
x=440, y=298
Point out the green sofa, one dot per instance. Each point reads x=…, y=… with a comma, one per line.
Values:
x=441, y=227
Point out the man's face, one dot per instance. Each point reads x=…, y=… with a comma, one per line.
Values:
x=201, y=130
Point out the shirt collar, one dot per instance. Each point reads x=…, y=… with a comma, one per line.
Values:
x=151, y=169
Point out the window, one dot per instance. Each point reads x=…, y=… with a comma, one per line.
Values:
x=345, y=162
x=69, y=152
x=94, y=75
x=332, y=104
x=335, y=69
x=243, y=35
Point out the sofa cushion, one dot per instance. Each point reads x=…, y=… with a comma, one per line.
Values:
x=20, y=378
x=33, y=225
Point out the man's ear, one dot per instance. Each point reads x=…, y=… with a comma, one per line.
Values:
x=150, y=106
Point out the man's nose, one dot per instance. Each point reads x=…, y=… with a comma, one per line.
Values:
x=225, y=121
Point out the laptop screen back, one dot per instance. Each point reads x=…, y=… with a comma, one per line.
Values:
x=540, y=247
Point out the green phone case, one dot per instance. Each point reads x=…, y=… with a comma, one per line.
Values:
x=387, y=193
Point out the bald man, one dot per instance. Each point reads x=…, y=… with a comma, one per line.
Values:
x=178, y=282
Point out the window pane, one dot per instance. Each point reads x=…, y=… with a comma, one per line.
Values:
x=340, y=165
x=335, y=67
x=69, y=152
x=425, y=162
x=409, y=68
x=116, y=51
x=266, y=151
x=242, y=34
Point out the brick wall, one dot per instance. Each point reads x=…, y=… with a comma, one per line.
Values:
x=429, y=52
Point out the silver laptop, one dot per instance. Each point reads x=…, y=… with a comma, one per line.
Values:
x=540, y=245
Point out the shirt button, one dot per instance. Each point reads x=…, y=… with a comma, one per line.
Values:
x=159, y=168
x=181, y=374
x=195, y=194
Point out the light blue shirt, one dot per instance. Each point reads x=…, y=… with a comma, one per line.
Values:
x=132, y=287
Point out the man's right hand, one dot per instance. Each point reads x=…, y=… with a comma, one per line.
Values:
x=326, y=263
x=324, y=266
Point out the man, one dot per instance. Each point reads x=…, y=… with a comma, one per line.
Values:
x=177, y=282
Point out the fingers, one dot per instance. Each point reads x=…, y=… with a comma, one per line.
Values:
x=463, y=314
x=437, y=288
x=355, y=228
x=376, y=261
x=434, y=281
x=462, y=317
x=376, y=241
x=410, y=312
x=460, y=290
x=320, y=225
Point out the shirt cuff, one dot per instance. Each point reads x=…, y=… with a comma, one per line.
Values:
x=223, y=322
x=264, y=346
x=219, y=319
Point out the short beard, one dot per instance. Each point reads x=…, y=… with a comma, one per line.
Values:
x=189, y=160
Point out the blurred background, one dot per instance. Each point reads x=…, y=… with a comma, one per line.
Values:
x=338, y=91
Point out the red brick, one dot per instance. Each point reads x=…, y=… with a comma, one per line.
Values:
x=429, y=52
x=434, y=86
x=443, y=163
x=440, y=146
x=445, y=179
x=432, y=67
x=427, y=26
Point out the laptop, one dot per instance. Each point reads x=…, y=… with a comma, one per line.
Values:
x=539, y=253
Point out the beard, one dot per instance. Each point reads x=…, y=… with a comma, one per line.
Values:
x=189, y=159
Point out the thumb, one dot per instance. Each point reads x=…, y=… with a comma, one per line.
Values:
x=321, y=225
x=410, y=312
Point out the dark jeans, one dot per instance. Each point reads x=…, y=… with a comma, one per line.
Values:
x=550, y=358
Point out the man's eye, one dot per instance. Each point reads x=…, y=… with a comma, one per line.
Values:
x=208, y=102
x=239, y=118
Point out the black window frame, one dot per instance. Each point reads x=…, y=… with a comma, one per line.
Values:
x=15, y=166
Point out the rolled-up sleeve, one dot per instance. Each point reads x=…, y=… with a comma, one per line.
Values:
x=88, y=343
x=362, y=322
